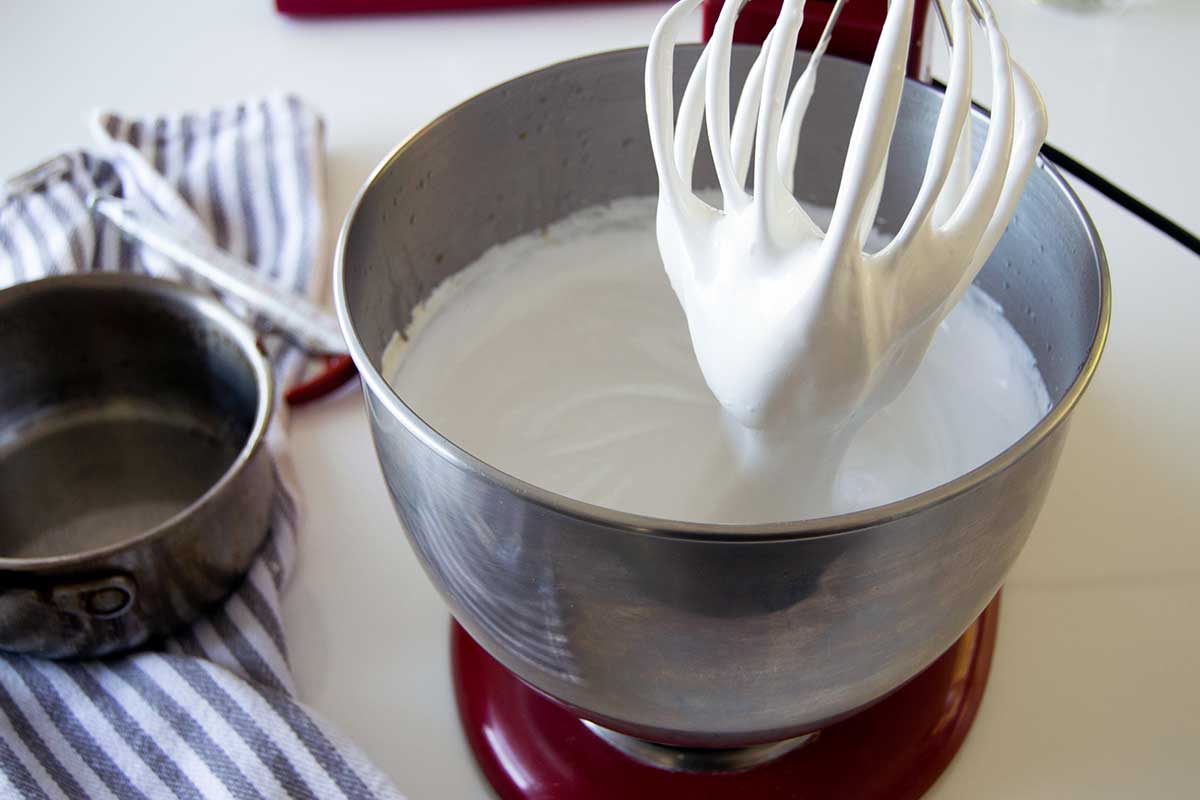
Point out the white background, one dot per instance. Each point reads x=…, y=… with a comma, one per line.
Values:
x=1094, y=688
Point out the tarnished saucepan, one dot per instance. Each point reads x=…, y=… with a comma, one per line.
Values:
x=135, y=483
x=687, y=634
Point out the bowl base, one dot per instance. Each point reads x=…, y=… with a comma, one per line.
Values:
x=531, y=748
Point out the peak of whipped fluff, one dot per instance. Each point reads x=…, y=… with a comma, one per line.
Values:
x=799, y=331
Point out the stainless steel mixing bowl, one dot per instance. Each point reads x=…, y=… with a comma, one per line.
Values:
x=685, y=634
x=135, y=482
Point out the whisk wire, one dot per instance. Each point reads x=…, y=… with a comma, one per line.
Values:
x=1116, y=194
x=943, y=18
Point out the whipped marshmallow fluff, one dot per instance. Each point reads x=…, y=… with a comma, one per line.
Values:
x=751, y=360
x=563, y=358
x=801, y=333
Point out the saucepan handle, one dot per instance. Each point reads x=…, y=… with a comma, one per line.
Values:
x=63, y=615
x=109, y=597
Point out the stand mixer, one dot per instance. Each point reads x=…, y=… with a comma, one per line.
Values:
x=608, y=654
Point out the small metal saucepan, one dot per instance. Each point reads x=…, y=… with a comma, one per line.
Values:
x=135, y=484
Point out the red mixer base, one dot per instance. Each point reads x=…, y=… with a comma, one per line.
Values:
x=531, y=748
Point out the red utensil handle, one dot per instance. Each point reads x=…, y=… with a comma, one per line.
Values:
x=338, y=370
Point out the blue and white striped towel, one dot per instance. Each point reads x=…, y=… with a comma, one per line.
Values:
x=212, y=712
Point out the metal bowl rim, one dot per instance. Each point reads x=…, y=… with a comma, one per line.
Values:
x=237, y=330
x=840, y=524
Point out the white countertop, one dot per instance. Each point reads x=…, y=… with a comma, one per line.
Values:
x=1094, y=688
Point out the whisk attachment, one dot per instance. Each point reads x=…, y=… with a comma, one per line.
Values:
x=790, y=320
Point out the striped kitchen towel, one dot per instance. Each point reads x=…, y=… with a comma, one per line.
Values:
x=212, y=712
